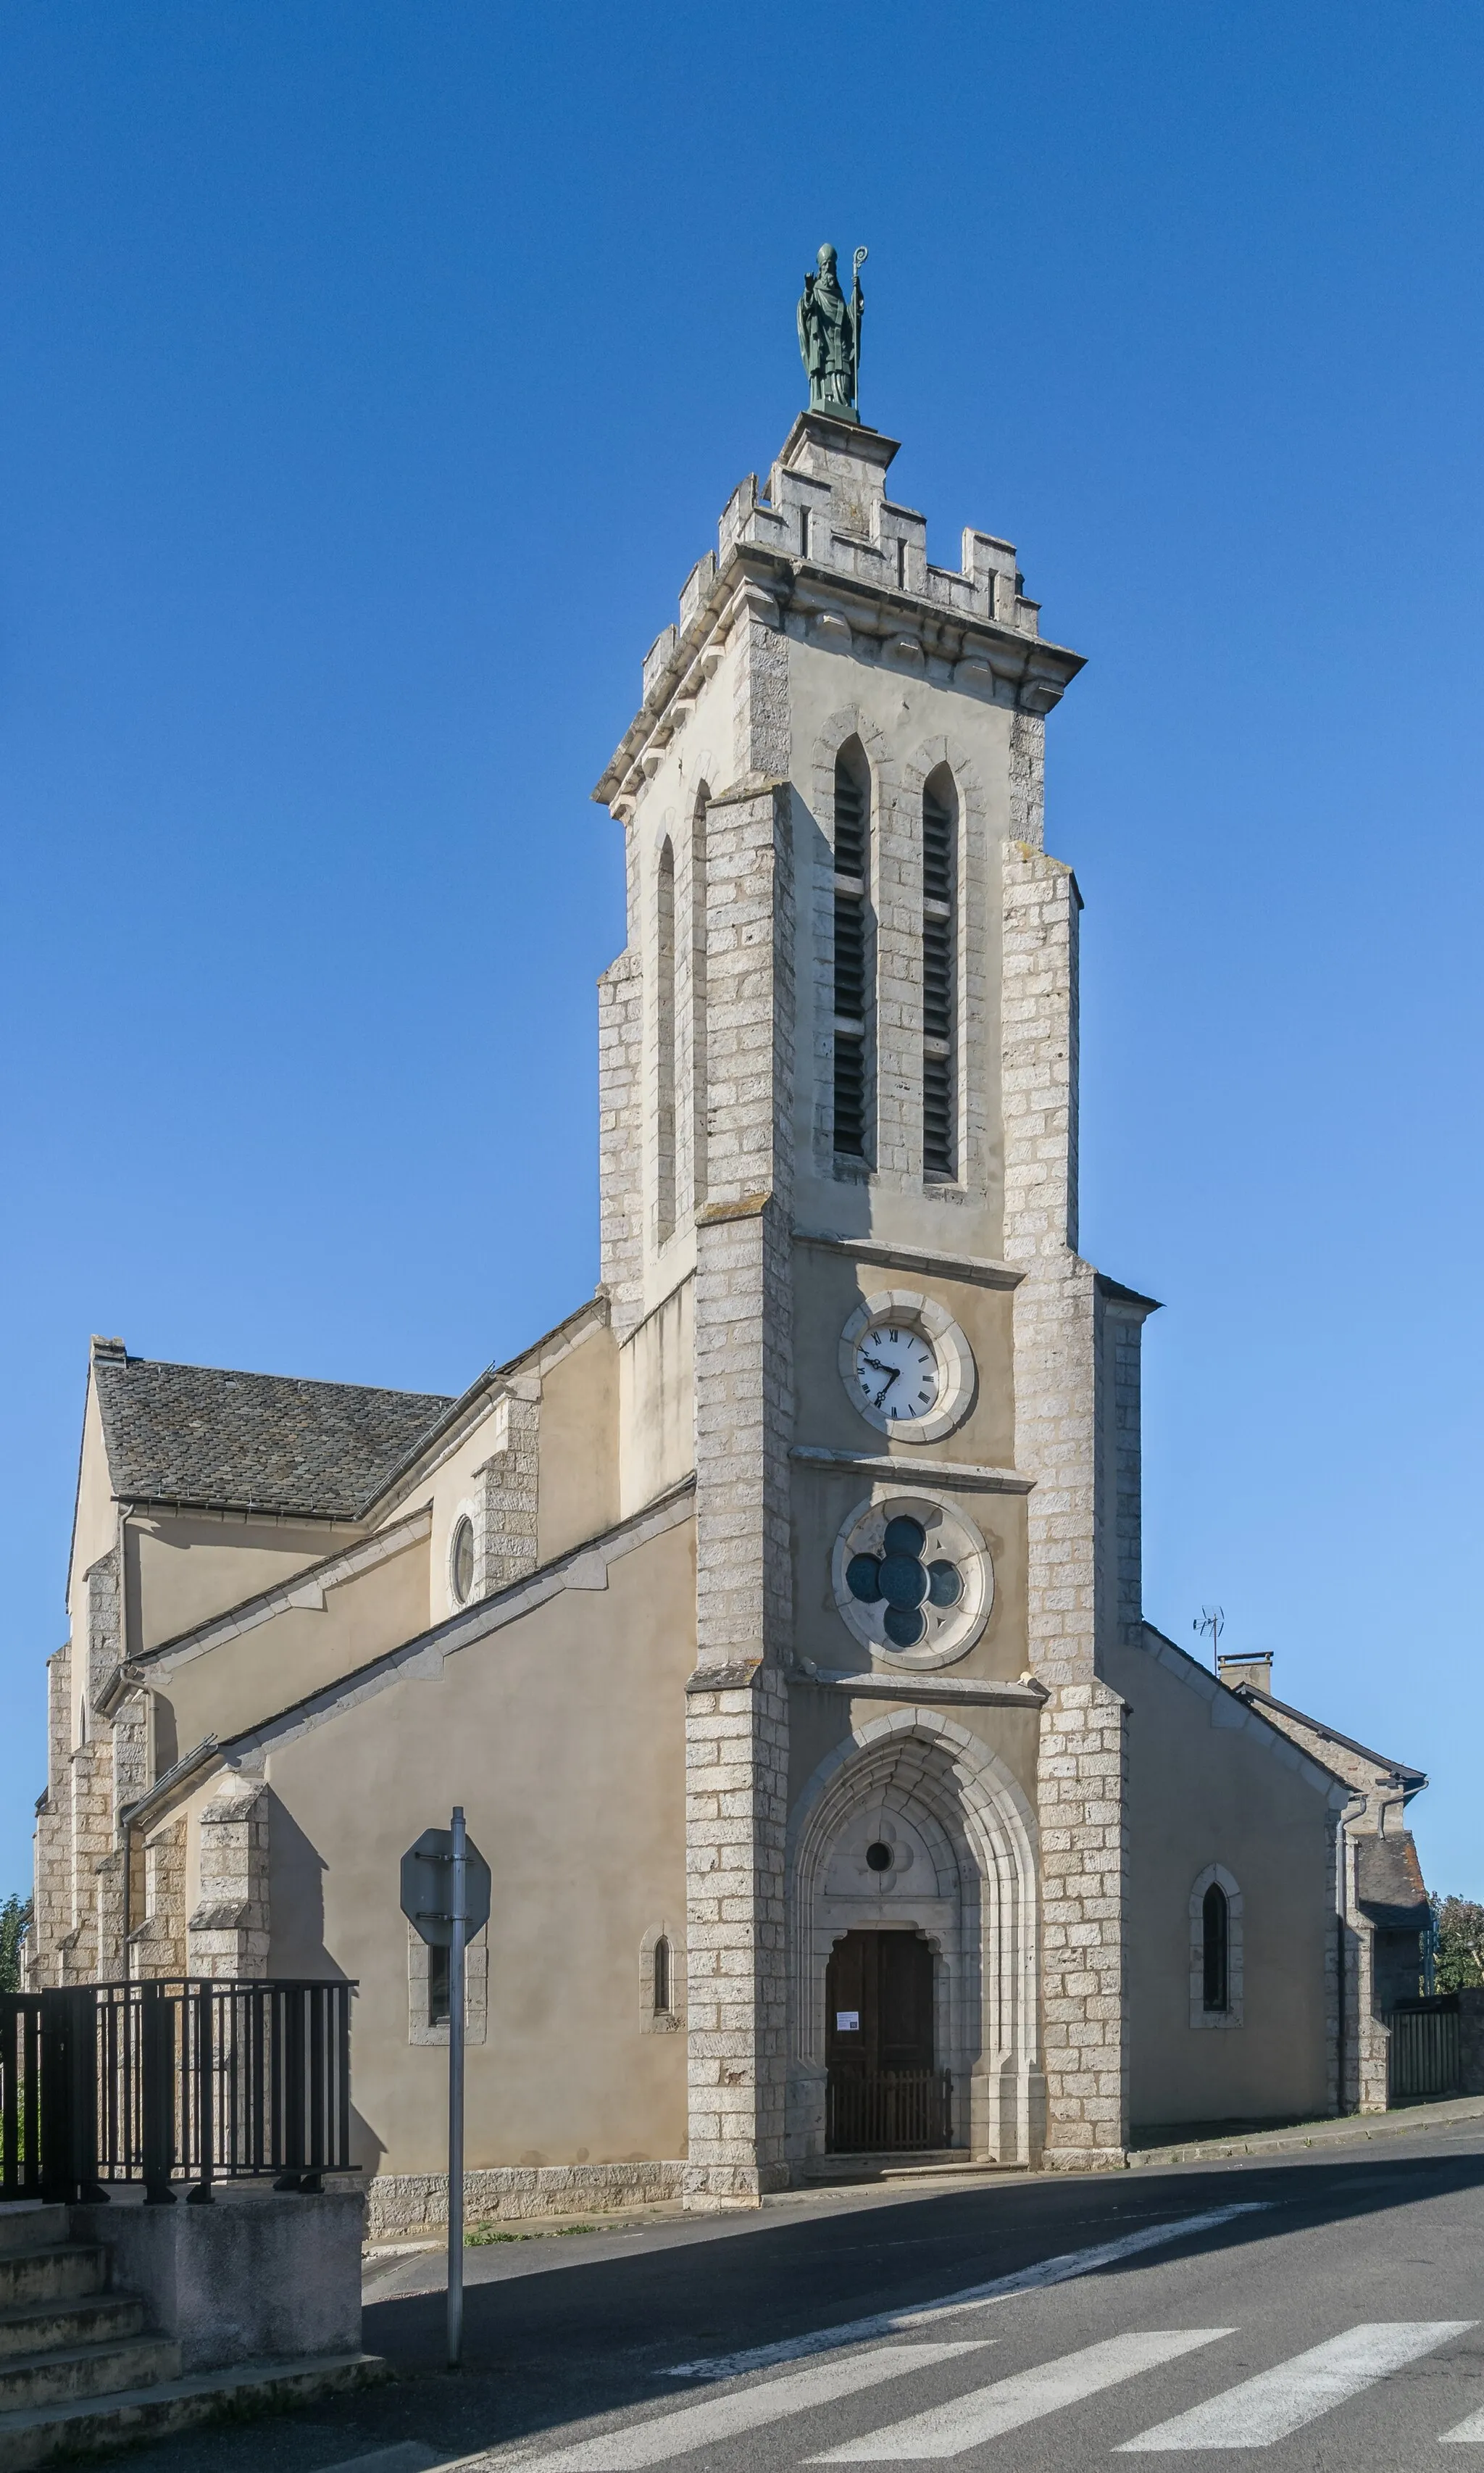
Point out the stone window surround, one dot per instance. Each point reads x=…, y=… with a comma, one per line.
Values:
x=469, y=1507
x=900, y=1495
x=956, y=1369
x=895, y=826
x=476, y=1990
x=663, y=2022
x=1217, y=1875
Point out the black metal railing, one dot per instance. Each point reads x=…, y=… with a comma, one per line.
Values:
x=872, y=2112
x=177, y=2080
x=1424, y=2059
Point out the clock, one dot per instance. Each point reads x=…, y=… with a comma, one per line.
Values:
x=896, y=1370
x=906, y=1365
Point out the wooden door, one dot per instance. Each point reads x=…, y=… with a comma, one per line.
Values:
x=878, y=2043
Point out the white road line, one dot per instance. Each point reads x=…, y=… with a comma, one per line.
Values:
x=1470, y=2432
x=968, y=2421
x=1269, y=2407
x=706, y=2424
x=974, y=2296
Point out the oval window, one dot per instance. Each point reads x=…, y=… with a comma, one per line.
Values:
x=462, y=1560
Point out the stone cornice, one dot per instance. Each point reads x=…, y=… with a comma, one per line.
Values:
x=965, y=1476
x=975, y=1271
x=968, y=1691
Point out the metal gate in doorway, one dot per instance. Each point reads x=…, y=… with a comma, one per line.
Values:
x=1425, y=2060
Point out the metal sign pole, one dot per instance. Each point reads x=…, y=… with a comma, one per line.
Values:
x=458, y=1910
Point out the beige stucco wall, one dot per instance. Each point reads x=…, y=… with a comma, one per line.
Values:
x=95, y=1525
x=578, y=1496
x=562, y=1735
x=450, y=1489
x=657, y=1400
x=180, y=1568
x=1204, y=1793
x=252, y=1674
x=828, y=1288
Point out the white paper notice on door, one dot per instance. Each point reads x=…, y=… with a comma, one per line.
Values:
x=846, y=2022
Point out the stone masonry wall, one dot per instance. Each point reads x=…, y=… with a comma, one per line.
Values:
x=52, y=1878
x=736, y=1713
x=228, y=1935
x=1083, y=1757
x=506, y=1529
x=621, y=1136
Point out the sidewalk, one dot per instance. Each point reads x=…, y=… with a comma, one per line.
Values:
x=1206, y=2144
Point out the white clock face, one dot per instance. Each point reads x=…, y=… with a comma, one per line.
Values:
x=896, y=1371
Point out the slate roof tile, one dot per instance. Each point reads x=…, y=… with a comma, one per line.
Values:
x=203, y=1435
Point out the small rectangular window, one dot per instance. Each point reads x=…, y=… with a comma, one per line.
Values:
x=437, y=1988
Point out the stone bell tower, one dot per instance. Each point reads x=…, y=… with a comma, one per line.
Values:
x=838, y=1065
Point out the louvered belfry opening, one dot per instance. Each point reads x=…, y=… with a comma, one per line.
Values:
x=664, y=1028
x=853, y=990
x=939, y=1005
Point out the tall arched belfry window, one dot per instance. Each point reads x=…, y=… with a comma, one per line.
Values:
x=697, y=1052
x=939, y=975
x=665, y=1030
x=1215, y=1949
x=852, y=954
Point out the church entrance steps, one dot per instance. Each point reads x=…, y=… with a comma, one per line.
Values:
x=931, y=2165
x=80, y=2368
x=120, y=2418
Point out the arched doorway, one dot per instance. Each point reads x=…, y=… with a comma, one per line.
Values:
x=912, y=1833
x=883, y=2093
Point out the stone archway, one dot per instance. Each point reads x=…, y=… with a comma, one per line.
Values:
x=967, y=1881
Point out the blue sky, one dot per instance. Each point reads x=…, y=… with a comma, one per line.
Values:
x=379, y=372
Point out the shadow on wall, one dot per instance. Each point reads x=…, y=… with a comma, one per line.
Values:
x=296, y=1892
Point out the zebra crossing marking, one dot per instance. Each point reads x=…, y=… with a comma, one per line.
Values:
x=974, y=2296
x=968, y=2421
x=1282, y=2400
x=717, y=2417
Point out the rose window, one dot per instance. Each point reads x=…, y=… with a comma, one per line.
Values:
x=913, y=1579
x=902, y=1580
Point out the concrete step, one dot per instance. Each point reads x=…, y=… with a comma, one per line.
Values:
x=66, y=2273
x=25, y=2224
x=34, y=2381
x=929, y=2163
x=35, y=2437
x=63, y=2326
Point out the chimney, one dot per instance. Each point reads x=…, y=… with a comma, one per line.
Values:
x=1256, y=1669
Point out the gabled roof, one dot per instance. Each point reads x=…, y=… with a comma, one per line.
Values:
x=1413, y=1779
x=204, y=1436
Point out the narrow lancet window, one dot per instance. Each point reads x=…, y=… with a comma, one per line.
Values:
x=698, y=1049
x=853, y=947
x=664, y=1026
x=662, y=1978
x=939, y=977
x=1215, y=1940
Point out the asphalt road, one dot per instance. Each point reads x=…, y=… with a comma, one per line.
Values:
x=1322, y=2314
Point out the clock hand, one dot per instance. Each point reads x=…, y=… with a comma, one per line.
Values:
x=885, y=1387
x=878, y=1365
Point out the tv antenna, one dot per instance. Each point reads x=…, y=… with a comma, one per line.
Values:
x=1213, y=1620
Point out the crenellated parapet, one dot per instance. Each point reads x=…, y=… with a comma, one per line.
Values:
x=824, y=554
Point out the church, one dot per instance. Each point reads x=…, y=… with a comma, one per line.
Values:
x=777, y=1618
